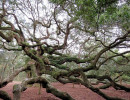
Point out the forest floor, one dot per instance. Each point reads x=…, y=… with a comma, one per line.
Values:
x=78, y=92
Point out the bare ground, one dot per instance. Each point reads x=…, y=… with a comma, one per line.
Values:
x=78, y=93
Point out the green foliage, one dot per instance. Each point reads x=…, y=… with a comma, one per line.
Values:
x=106, y=3
x=58, y=1
x=126, y=78
x=55, y=73
x=101, y=12
x=92, y=11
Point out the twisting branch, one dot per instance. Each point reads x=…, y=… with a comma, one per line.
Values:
x=112, y=45
x=45, y=84
x=88, y=85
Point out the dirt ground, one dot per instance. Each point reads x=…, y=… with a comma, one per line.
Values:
x=78, y=93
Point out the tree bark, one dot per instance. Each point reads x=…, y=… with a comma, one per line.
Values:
x=16, y=92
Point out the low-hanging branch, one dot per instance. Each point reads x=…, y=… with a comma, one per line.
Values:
x=45, y=84
x=86, y=83
x=112, y=82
